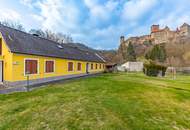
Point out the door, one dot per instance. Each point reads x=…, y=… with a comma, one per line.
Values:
x=87, y=67
x=1, y=71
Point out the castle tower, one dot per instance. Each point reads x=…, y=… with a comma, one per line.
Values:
x=122, y=39
x=155, y=28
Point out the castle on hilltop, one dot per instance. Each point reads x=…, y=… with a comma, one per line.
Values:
x=159, y=36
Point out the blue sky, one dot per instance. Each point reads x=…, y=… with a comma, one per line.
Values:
x=97, y=23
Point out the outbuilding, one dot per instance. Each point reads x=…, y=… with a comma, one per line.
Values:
x=133, y=66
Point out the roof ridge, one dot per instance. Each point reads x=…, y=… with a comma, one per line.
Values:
x=28, y=33
x=37, y=46
x=42, y=38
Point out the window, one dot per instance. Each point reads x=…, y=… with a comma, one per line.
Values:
x=96, y=66
x=31, y=66
x=49, y=66
x=79, y=66
x=92, y=67
x=70, y=66
x=0, y=46
x=100, y=66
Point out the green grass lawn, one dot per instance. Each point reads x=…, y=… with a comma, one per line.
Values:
x=107, y=102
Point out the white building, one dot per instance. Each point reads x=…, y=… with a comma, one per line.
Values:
x=133, y=66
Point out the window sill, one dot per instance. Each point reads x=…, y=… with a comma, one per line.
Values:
x=31, y=74
x=49, y=72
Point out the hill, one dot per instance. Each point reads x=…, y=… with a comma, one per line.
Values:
x=176, y=45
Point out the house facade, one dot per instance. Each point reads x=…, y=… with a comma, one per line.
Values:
x=24, y=55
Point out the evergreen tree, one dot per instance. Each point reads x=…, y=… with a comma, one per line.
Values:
x=131, y=55
x=158, y=53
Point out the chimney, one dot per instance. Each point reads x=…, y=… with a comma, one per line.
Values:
x=34, y=34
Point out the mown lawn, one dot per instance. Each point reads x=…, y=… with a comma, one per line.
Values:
x=106, y=102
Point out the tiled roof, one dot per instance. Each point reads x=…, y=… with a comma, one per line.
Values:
x=24, y=43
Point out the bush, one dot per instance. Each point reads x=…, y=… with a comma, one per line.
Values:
x=153, y=69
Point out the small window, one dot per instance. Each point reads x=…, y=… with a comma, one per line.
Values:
x=100, y=66
x=96, y=66
x=70, y=66
x=79, y=66
x=49, y=66
x=92, y=66
x=31, y=66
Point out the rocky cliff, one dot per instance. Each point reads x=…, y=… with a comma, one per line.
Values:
x=177, y=50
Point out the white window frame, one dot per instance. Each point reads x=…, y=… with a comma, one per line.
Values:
x=45, y=66
x=38, y=66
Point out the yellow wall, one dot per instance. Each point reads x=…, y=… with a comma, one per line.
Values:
x=61, y=67
x=6, y=57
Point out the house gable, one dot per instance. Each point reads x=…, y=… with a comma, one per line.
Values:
x=6, y=56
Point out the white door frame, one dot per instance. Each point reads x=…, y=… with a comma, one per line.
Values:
x=1, y=71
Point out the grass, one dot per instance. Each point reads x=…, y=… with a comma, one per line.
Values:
x=106, y=102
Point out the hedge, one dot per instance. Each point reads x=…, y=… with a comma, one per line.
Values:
x=153, y=69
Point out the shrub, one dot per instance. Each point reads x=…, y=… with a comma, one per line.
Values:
x=153, y=69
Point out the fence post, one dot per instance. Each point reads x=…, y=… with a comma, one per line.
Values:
x=28, y=81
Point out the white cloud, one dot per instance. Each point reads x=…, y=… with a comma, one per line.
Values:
x=176, y=16
x=135, y=9
x=100, y=11
x=57, y=15
x=30, y=4
x=26, y=1
x=174, y=20
x=100, y=23
x=9, y=14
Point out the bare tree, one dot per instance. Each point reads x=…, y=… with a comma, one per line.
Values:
x=12, y=24
x=38, y=32
x=48, y=34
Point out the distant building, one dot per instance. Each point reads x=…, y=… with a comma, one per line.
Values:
x=133, y=66
x=110, y=67
x=185, y=30
x=155, y=28
x=158, y=36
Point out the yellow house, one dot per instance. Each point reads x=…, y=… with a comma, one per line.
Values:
x=24, y=55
